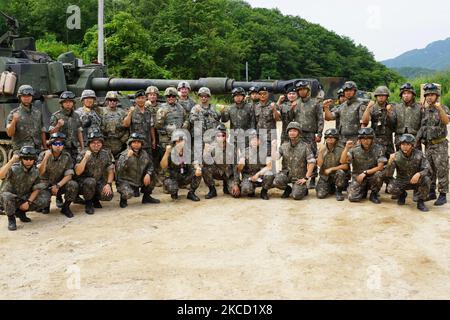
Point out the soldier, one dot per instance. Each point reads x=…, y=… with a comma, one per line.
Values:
x=186, y=102
x=299, y=165
x=348, y=114
x=381, y=116
x=170, y=116
x=332, y=172
x=309, y=114
x=68, y=122
x=56, y=171
x=139, y=119
x=89, y=116
x=368, y=160
x=135, y=170
x=408, y=114
x=20, y=191
x=94, y=164
x=253, y=99
x=433, y=133
x=113, y=130
x=24, y=123
x=179, y=171
x=152, y=94
x=255, y=172
x=218, y=163
x=286, y=108
x=204, y=113
x=340, y=100
x=266, y=117
x=412, y=172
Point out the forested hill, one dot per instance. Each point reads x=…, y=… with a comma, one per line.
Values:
x=192, y=39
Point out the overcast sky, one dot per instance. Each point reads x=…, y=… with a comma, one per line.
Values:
x=387, y=27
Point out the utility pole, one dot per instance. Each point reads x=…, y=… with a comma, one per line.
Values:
x=101, y=52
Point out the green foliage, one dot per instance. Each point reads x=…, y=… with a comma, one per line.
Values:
x=54, y=48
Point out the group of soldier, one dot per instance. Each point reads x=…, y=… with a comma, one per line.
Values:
x=150, y=144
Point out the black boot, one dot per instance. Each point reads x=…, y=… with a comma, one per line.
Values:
x=79, y=200
x=89, y=207
x=225, y=189
x=212, y=193
x=339, y=195
x=65, y=210
x=287, y=192
x=97, y=203
x=59, y=202
x=174, y=196
x=22, y=216
x=12, y=223
x=123, y=202
x=421, y=206
x=45, y=210
x=432, y=195
x=374, y=198
x=136, y=193
x=147, y=198
x=441, y=200
x=402, y=199
x=2, y=211
x=264, y=194
x=312, y=183
x=192, y=196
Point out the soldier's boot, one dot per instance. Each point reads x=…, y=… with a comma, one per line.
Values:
x=79, y=200
x=312, y=183
x=2, y=211
x=212, y=193
x=147, y=198
x=375, y=198
x=174, y=196
x=192, y=196
x=22, y=216
x=89, y=207
x=46, y=210
x=59, y=202
x=287, y=192
x=441, y=200
x=123, y=202
x=421, y=206
x=97, y=203
x=12, y=226
x=65, y=210
x=432, y=195
x=225, y=189
x=339, y=195
x=402, y=199
x=136, y=193
x=264, y=194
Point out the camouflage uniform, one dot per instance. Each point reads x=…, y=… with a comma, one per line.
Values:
x=361, y=161
x=180, y=175
x=265, y=120
x=56, y=170
x=407, y=119
x=187, y=104
x=296, y=157
x=93, y=179
x=72, y=125
x=406, y=169
x=328, y=184
x=433, y=133
x=130, y=174
x=349, y=115
x=116, y=135
x=90, y=121
x=17, y=187
x=240, y=116
x=142, y=122
x=220, y=165
x=253, y=165
x=286, y=118
x=29, y=128
x=383, y=125
x=176, y=118
x=208, y=117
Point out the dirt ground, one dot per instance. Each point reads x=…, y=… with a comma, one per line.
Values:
x=230, y=249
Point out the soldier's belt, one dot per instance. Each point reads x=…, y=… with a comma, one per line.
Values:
x=438, y=140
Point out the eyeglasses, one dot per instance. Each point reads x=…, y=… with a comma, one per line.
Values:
x=58, y=144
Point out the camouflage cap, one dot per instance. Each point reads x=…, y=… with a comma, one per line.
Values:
x=294, y=125
x=204, y=91
x=382, y=91
x=135, y=136
x=350, y=85
x=408, y=138
x=28, y=152
x=333, y=133
x=112, y=95
x=431, y=88
x=407, y=87
x=25, y=90
x=152, y=89
x=171, y=91
x=66, y=96
x=183, y=84
x=88, y=94
x=366, y=133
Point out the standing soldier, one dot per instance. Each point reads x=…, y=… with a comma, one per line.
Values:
x=253, y=99
x=433, y=134
x=152, y=94
x=67, y=122
x=179, y=171
x=56, y=171
x=412, y=172
x=348, y=114
x=340, y=100
x=332, y=172
x=286, y=108
x=90, y=119
x=94, y=164
x=135, y=170
x=368, y=160
x=299, y=165
x=408, y=114
x=113, y=130
x=186, y=102
x=139, y=120
x=24, y=123
x=204, y=113
x=266, y=117
x=20, y=191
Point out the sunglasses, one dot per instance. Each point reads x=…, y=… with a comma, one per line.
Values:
x=58, y=144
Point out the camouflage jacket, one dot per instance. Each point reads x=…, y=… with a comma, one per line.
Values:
x=264, y=116
x=90, y=120
x=407, y=167
x=57, y=168
x=207, y=116
x=381, y=123
x=72, y=125
x=98, y=165
x=142, y=122
x=29, y=127
x=175, y=118
x=309, y=114
x=296, y=157
x=180, y=169
x=187, y=104
x=153, y=108
x=223, y=159
x=240, y=116
x=432, y=128
x=349, y=115
x=408, y=118
x=112, y=124
x=363, y=160
x=253, y=162
x=22, y=182
x=331, y=158
x=133, y=169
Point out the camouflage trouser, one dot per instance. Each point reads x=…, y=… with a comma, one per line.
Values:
x=356, y=191
x=115, y=146
x=437, y=155
x=328, y=184
x=172, y=184
x=248, y=187
x=387, y=144
x=310, y=139
x=422, y=188
x=282, y=181
x=212, y=172
x=127, y=191
x=90, y=189
x=343, y=140
x=69, y=190
x=10, y=202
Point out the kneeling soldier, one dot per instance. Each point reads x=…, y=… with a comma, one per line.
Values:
x=135, y=170
x=412, y=172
